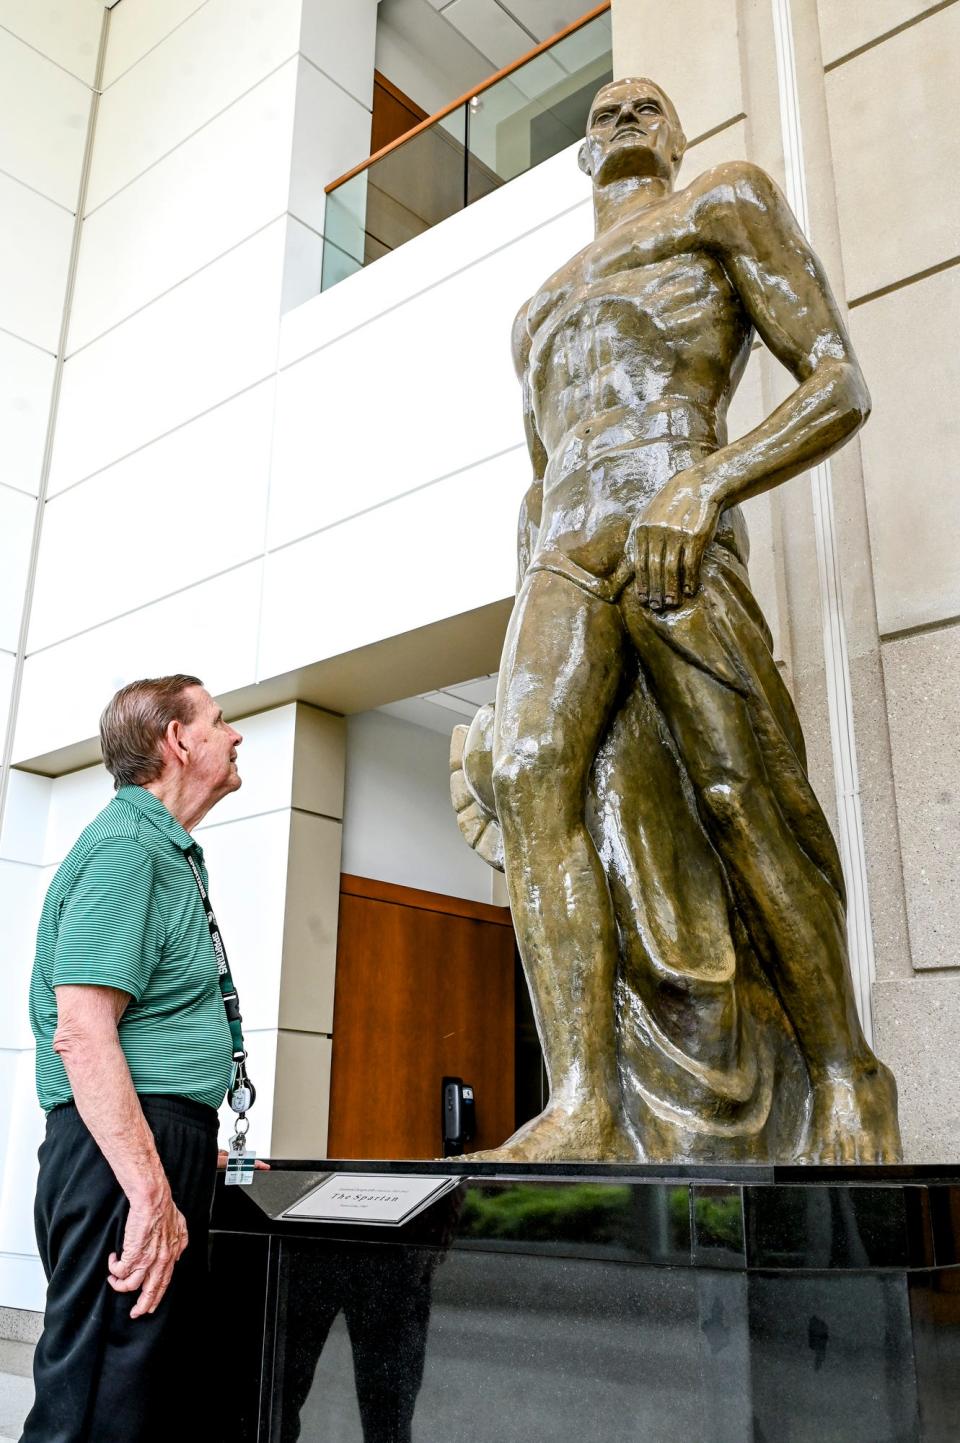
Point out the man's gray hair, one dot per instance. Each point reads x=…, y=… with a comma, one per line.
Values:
x=134, y=723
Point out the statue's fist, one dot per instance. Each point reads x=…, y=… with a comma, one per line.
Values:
x=471, y=787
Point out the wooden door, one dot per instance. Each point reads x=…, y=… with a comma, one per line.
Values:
x=425, y=989
x=393, y=113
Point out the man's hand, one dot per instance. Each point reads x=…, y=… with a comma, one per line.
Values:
x=153, y=1239
x=668, y=539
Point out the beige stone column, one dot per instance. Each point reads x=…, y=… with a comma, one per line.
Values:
x=273, y=850
x=868, y=631
x=301, y=1093
x=898, y=223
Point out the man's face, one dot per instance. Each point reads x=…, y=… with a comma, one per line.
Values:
x=632, y=131
x=212, y=745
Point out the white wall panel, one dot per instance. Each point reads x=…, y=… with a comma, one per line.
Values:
x=74, y=802
x=524, y=205
x=398, y=824
x=68, y=803
x=458, y=335
x=212, y=192
x=340, y=40
x=25, y=816
x=7, y=666
x=332, y=135
x=67, y=33
x=443, y=550
x=8, y=1079
x=210, y=630
x=302, y=266
x=204, y=341
x=247, y=861
x=26, y=378
x=17, y=513
x=219, y=53
x=187, y=507
x=21, y=1278
x=22, y=890
x=137, y=26
x=19, y=1178
x=34, y=254
x=44, y=148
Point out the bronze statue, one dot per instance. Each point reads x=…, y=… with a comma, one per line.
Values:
x=676, y=892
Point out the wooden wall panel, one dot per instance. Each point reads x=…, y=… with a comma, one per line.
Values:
x=425, y=988
x=393, y=113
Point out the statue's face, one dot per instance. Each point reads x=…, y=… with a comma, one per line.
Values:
x=633, y=130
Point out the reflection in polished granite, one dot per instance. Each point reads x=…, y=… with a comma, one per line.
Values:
x=602, y=1303
x=538, y=1349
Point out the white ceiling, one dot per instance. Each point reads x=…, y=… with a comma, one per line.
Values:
x=467, y=40
x=441, y=711
x=518, y=25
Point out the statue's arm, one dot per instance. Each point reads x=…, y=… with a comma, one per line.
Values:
x=785, y=292
x=745, y=221
x=531, y=506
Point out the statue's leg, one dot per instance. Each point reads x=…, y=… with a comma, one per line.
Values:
x=791, y=907
x=559, y=677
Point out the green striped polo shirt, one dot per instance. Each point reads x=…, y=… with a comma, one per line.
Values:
x=124, y=911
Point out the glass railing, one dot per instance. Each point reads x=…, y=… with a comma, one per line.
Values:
x=511, y=123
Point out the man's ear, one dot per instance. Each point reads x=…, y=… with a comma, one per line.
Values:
x=679, y=150
x=583, y=159
x=175, y=741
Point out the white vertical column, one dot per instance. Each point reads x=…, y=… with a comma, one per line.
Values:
x=836, y=660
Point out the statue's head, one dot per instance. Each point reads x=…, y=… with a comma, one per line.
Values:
x=633, y=130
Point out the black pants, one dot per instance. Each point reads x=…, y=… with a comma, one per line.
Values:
x=102, y=1377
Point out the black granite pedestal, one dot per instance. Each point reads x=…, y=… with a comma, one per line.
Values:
x=579, y=1303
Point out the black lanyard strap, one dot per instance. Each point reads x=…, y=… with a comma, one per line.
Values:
x=231, y=1001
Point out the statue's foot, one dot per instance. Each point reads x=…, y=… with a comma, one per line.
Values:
x=854, y=1119
x=586, y=1134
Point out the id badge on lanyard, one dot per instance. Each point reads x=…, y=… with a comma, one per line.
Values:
x=241, y=1093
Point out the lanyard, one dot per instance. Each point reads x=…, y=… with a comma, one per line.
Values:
x=241, y=1093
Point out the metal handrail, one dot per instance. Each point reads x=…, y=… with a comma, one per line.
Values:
x=469, y=95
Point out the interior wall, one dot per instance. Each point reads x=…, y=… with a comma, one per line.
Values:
x=217, y=128
x=398, y=823
x=48, y=64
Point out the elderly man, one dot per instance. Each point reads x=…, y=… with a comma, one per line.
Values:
x=134, y=1056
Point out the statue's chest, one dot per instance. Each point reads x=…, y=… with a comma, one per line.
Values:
x=652, y=295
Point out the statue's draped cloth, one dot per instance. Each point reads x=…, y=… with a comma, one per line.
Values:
x=708, y=1061
x=709, y=1064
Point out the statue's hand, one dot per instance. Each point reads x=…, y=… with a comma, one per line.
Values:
x=667, y=540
